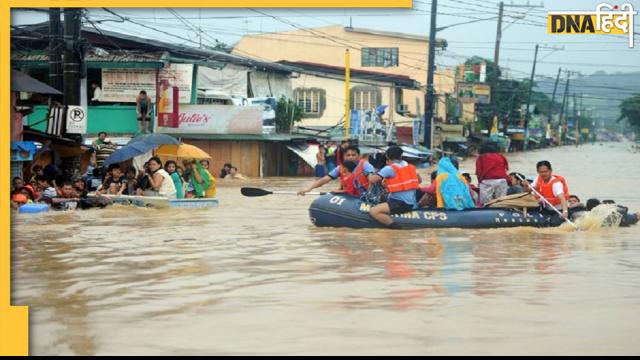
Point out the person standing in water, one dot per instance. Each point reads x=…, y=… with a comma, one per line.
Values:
x=321, y=161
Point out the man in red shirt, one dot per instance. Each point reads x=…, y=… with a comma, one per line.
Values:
x=493, y=173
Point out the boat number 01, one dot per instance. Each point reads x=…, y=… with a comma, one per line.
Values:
x=338, y=200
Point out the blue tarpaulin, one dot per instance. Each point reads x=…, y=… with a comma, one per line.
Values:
x=19, y=148
x=29, y=146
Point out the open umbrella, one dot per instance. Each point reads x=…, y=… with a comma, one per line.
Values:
x=184, y=151
x=155, y=139
x=129, y=151
x=139, y=145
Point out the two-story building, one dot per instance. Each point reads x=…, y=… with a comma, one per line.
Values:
x=378, y=51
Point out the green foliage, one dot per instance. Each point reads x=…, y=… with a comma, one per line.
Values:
x=287, y=114
x=452, y=107
x=630, y=111
x=510, y=95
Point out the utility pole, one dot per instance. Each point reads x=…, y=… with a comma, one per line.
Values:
x=564, y=100
x=553, y=97
x=533, y=73
x=526, y=116
x=55, y=49
x=347, y=95
x=429, y=95
x=496, y=70
x=72, y=56
x=575, y=106
x=575, y=117
x=496, y=56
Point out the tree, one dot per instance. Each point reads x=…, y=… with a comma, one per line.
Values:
x=287, y=114
x=630, y=111
x=510, y=95
x=453, y=112
x=542, y=102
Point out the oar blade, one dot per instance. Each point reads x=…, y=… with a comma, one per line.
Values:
x=253, y=192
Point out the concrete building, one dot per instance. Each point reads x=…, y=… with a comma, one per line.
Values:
x=371, y=50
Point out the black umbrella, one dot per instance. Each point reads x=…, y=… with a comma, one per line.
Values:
x=139, y=145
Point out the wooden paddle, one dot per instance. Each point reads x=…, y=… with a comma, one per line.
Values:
x=254, y=192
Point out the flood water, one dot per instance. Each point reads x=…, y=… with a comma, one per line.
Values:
x=254, y=276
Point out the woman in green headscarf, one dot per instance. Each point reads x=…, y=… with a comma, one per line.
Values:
x=198, y=177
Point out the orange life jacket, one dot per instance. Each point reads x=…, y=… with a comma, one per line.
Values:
x=406, y=179
x=546, y=189
x=19, y=198
x=354, y=183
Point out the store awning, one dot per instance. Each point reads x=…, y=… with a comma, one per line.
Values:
x=307, y=152
x=23, y=82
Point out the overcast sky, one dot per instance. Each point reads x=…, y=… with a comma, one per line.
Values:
x=584, y=53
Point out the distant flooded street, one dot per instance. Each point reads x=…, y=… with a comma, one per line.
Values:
x=254, y=276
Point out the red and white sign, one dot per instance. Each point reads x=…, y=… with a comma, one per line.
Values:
x=218, y=119
x=168, y=106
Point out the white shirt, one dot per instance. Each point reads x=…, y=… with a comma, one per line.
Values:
x=49, y=192
x=97, y=94
x=167, y=188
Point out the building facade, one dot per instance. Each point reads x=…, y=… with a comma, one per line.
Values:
x=371, y=50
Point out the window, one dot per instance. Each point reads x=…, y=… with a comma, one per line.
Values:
x=365, y=97
x=205, y=100
x=311, y=101
x=380, y=57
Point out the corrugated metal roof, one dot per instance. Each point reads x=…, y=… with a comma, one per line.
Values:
x=154, y=59
x=315, y=68
x=187, y=51
x=439, y=41
x=38, y=33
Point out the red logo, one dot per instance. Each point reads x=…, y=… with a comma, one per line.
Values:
x=193, y=119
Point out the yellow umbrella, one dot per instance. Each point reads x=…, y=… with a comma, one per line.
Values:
x=182, y=151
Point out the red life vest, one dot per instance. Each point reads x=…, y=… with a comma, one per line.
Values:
x=546, y=189
x=349, y=184
x=406, y=179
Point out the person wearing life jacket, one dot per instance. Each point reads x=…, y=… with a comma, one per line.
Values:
x=23, y=195
x=354, y=181
x=341, y=151
x=552, y=187
x=351, y=182
x=401, y=181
